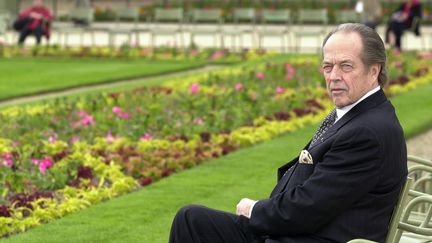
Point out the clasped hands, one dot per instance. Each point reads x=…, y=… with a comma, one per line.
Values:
x=35, y=15
x=244, y=207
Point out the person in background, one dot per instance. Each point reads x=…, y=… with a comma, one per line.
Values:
x=370, y=11
x=346, y=181
x=407, y=15
x=34, y=20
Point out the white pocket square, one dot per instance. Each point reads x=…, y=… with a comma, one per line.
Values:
x=305, y=157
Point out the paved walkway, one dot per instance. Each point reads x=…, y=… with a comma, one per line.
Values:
x=421, y=145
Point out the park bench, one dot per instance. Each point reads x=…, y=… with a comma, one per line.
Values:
x=213, y=20
x=411, y=220
x=317, y=17
x=79, y=21
x=412, y=32
x=241, y=16
x=168, y=22
x=130, y=14
x=280, y=17
x=4, y=19
x=347, y=16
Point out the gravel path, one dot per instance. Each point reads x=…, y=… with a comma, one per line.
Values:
x=421, y=145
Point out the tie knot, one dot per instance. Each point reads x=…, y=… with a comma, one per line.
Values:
x=325, y=125
x=331, y=117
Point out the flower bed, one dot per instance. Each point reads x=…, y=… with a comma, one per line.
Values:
x=64, y=155
x=131, y=52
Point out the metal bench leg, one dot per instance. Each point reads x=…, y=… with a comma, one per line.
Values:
x=152, y=39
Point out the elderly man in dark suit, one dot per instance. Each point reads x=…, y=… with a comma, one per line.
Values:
x=345, y=183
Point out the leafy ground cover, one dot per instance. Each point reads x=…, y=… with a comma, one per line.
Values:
x=146, y=215
x=68, y=154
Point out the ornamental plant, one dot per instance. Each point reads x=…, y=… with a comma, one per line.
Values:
x=127, y=51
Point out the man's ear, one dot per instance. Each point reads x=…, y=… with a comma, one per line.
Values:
x=374, y=70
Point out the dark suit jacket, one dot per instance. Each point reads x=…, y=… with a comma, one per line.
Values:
x=351, y=188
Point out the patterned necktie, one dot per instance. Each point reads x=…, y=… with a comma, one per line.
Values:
x=325, y=125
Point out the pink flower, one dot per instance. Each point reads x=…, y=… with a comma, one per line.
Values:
x=216, y=55
x=52, y=139
x=280, y=90
x=146, y=136
x=398, y=65
x=198, y=121
x=253, y=96
x=6, y=156
x=35, y=161
x=82, y=114
x=109, y=137
x=194, y=52
x=7, y=159
x=238, y=87
x=88, y=120
x=8, y=162
x=124, y=115
x=16, y=143
x=43, y=164
x=74, y=139
x=260, y=75
x=427, y=55
x=290, y=71
x=116, y=110
x=194, y=88
x=146, y=51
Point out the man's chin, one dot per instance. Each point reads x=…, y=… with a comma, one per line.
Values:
x=340, y=103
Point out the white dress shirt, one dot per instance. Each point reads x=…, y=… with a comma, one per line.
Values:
x=340, y=112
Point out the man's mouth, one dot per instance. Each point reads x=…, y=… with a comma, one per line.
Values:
x=337, y=91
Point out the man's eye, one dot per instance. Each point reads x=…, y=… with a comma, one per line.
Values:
x=327, y=68
x=346, y=67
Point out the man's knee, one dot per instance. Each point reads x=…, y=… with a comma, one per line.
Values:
x=191, y=212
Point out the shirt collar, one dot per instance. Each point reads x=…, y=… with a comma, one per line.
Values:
x=340, y=112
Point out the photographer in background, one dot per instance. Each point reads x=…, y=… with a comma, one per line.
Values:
x=34, y=21
x=406, y=17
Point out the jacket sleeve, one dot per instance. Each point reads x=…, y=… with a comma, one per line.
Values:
x=346, y=172
x=25, y=13
x=47, y=15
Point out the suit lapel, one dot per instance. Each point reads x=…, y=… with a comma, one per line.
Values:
x=284, y=173
x=366, y=104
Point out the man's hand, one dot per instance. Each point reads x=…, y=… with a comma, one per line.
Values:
x=244, y=207
x=35, y=15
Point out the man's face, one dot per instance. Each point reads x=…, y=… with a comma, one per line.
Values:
x=37, y=2
x=347, y=77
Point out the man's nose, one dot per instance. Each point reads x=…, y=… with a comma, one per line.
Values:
x=335, y=73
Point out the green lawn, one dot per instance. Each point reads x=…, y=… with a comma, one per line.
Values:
x=26, y=76
x=146, y=215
